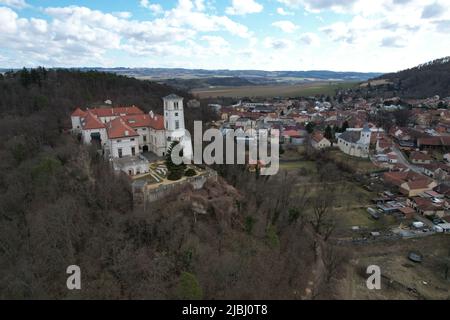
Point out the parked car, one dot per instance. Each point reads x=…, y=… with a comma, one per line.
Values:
x=418, y=225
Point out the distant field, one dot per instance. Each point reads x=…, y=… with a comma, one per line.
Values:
x=295, y=90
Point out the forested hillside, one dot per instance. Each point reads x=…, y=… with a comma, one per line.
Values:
x=427, y=80
x=60, y=204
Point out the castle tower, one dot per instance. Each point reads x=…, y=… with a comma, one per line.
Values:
x=174, y=123
x=173, y=115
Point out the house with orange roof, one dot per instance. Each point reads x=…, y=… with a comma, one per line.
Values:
x=123, y=140
x=318, y=141
x=92, y=130
x=410, y=183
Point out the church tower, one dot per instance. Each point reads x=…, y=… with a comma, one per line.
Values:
x=366, y=133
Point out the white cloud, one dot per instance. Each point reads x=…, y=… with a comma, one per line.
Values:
x=285, y=26
x=317, y=5
x=123, y=14
x=310, y=39
x=216, y=45
x=242, y=7
x=277, y=44
x=433, y=10
x=19, y=4
x=75, y=36
x=393, y=42
x=283, y=12
x=384, y=35
x=153, y=7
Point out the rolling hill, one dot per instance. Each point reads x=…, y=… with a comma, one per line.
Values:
x=426, y=80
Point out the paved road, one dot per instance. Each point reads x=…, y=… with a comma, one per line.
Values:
x=402, y=160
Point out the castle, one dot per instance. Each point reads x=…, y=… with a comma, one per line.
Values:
x=124, y=133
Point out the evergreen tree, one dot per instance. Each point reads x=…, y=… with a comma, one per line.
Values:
x=345, y=126
x=310, y=127
x=328, y=133
x=25, y=78
x=175, y=172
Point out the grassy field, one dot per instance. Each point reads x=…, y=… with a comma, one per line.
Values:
x=308, y=165
x=402, y=279
x=282, y=90
x=352, y=199
x=360, y=164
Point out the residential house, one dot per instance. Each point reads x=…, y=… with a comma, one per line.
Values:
x=410, y=183
x=318, y=141
x=420, y=158
x=426, y=207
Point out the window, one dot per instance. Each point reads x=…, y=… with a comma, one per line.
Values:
x=145, y=138
x=119, y=141
x=120, y=152
x=177, y=125
x=169, y=139
x=132, y=139
x=175, y=104
x=133, y=151
x=176, y=114
x=167, y=125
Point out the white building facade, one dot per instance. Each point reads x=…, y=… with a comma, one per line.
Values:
x=355, y=143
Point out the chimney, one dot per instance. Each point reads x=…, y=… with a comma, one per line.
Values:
x=126, y=133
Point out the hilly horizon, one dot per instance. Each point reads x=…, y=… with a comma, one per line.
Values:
x=425, y=80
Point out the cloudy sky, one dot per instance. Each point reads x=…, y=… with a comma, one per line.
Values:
x=340, y=35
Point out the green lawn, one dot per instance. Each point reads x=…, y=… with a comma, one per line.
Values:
x=296, y=165
x=281, y=90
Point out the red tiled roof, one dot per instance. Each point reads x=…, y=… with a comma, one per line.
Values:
x=90, y=121
x=419, y=184
x=384, y=144
x=420, y=156
x=413, y=179
x=118, y=128
x=317, y=137
x=136, y=121
x=435, y=166
x=120, y=111
x=292, y=133
x=434, y=141
x=78, y=113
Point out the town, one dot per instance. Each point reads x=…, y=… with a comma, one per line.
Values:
x=410, y=163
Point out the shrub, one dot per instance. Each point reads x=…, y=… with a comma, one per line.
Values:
x=174, y=175
x=190, y=173
x=189, y=288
